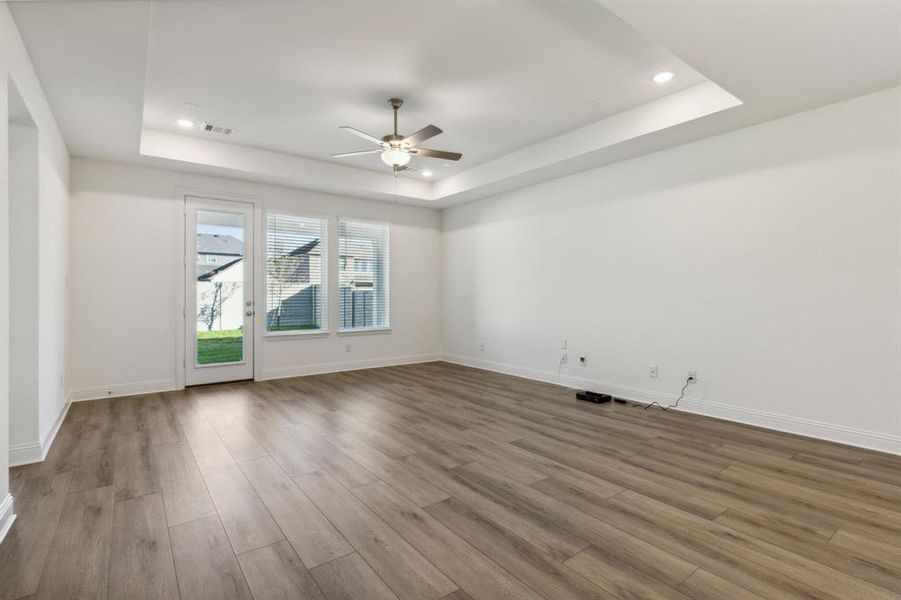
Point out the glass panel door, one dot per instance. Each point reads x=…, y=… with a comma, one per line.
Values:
x=219, y=277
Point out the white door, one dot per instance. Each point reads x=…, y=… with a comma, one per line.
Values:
x=219, y=303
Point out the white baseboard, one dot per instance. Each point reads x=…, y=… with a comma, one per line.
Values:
x=115, y=390
x=347, y=365
x=165, y=385
x=841, y=434
x=7, y=516
x=32, y=452
x=25, y=454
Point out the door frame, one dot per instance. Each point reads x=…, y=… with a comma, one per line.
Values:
x=181, y=318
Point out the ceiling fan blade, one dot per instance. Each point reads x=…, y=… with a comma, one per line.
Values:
x=436, y=153
x=408, y=168
x=422, y=135
x=358, y=153
x=361, y=134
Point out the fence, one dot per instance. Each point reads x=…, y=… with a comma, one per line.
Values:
x=358, y=308
x=298, y=311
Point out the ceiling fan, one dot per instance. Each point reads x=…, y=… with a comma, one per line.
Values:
x=396, y=150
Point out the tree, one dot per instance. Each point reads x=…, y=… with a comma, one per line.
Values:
x=284, y=272
x=211, y=302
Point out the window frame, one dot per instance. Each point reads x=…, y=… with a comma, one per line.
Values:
x=324, y=267
x=387, y=327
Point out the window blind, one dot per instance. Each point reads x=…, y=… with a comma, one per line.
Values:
x=363, y=275
x=296, y=289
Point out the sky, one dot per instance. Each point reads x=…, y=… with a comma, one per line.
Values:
x=237, y=232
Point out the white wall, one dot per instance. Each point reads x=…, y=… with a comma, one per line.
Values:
x=16, y=71
x=6, y=509
x=125, y=226
x=767, y=259
x=24, y=418
x=53, y=232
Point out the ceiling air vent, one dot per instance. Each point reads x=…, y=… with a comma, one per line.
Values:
x=209, y=127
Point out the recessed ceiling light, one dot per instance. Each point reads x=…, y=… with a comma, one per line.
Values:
x=662, y=77
x=186, y=123
x=426, y=173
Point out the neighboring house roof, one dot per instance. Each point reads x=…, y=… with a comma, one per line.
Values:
x=305, y=249
x=214, y=243
x=205, y=272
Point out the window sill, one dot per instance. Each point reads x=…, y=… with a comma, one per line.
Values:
x=293, y=335
x=364, y=331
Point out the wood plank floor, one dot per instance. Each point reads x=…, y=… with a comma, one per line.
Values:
x=437, y=481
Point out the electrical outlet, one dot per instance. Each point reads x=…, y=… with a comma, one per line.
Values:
x=692, y=376
x=481, y=346
x=564, y=358
x=583, y=360
x=652, y=372
x=347, y=347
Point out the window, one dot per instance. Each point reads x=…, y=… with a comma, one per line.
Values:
x=362, y=275
x=296, y=290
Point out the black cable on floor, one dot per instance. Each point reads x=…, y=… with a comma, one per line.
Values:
x=681, y=395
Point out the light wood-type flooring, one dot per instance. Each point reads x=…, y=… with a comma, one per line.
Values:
x=438, y=481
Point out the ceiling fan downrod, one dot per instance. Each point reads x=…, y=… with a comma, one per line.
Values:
x=396, y=103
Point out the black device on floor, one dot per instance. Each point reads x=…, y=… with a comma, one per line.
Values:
x=595, y=397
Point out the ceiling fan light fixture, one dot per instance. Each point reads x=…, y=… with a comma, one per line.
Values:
x=395, y=157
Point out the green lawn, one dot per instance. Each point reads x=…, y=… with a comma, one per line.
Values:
x=228, y=346
x=220, y=346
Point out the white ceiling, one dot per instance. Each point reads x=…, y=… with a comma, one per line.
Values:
x=495, y=75
x=526, y=90
x=90, y=60
x=782, y=56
